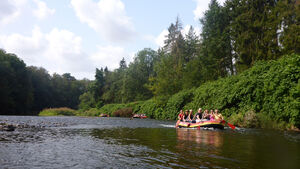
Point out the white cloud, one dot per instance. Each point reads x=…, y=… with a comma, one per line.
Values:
x=107, y=17
x=110, y=56
x=20, y=44
x=160, y=39
x=202, y=6
x=61, y=51
x=10, y=10
x=42, y=10
x=186, y=29
x=57, y=51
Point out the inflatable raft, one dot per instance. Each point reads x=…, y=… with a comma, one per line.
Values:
x=141, y=116
x=208, y=124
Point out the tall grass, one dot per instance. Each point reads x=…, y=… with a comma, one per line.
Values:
x=63, y=111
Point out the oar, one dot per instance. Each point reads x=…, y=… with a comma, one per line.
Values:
x=230, y=125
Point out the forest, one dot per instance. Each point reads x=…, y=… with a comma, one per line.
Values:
x=234, y=37
x=26, y=90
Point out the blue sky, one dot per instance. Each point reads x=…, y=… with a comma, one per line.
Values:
x=76, y=36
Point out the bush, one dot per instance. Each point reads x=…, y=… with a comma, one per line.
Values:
x=110, y=108
x=176, y=103
x=89, y=112
x=125, y=112
x=153, y=108
x=63, y=111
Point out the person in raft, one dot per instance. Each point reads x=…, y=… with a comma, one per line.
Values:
x=205, y=116
x=198, y=115
x=186, y=116
x=181, y=116
x=192, y=117
x=212, y=115
x=218, y=116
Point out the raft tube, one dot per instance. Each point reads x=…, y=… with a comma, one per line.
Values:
x=208, y=124
x=140, y=116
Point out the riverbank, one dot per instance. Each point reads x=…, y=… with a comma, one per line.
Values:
x=264, y=96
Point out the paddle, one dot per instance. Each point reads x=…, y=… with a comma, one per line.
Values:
x=230, y=125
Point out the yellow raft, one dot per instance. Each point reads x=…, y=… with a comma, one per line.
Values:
x=208, y=124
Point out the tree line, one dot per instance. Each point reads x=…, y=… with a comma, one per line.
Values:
x=27, y=90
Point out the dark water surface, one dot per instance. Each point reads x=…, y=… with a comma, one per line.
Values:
x=78, y=142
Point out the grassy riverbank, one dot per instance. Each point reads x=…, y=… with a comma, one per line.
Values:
x=63, y=111
x=264, y=96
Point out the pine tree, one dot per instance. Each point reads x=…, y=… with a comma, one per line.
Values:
x=215, y=52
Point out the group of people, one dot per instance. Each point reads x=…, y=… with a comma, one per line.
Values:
x=188, y=116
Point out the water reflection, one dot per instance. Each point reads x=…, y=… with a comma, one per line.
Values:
x=202, y=137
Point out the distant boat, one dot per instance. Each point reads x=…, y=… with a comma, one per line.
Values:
x=103, y=115
x=141, y=116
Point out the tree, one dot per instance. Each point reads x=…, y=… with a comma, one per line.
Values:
x=289, y=28
x=43, y=91
x=15, y=86
x=170, y=67
x=255, y=28
x=215, y=47
x=137, y=76
x=99, y=84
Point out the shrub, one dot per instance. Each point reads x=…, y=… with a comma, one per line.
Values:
x=89, y=112
x=124, y=112
x=110, y=108
x=63, y=111
x=152, y=108
x=176, y=103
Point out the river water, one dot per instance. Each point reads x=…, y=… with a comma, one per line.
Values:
x=80, y=142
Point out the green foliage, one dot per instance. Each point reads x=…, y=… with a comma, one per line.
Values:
x=111, y=108
x=89, y=112
x=152, y=109
x=137, y=75
x=215, y=52
x=124, y=112
x=63, y=111
x=28, y=90
x=16, y=95
x=176, y=103
x=270, y=88
x=269, y=91
x=262, y=30
x=87, y=101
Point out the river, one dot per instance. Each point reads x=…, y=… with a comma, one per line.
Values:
x=83, y=142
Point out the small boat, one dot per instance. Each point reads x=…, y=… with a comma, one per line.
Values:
x=141, y=116
x=103, y=115
x=208, y=124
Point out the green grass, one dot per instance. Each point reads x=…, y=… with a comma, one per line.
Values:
x=63, y=111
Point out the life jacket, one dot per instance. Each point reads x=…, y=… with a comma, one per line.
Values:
x=191, y=116
x=180, y=116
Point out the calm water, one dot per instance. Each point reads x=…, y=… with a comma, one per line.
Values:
x=77, y=142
